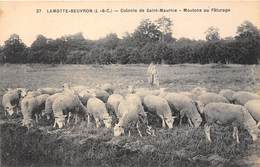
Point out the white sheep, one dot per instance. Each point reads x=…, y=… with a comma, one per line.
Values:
x=185, y=106
x=228, y=94
x=197, y=91
x=33, y=93
x=253, y=106
x=86, y=94
x=66, y=105
x=108, y=88
x=48, y=105
x=23, y=91
x=242, y=97
x=130, y=111
x=229, y=114
x=163, y=92
x=112, y=104
x=31, y=108
x=189, y=94
x=79, y=88
x=68, y=89
x=194, y=93
x=207, y=98
x=11, y=100
x=159, y=106
x=142, y=92
x=97, y=108
x=49, y=91
x=102, y=95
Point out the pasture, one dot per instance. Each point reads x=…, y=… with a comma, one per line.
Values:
x=85, y=146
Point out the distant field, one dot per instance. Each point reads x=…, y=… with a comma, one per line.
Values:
x=178, y=77
x=79, y=146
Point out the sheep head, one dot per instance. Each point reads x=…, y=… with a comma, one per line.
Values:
x=29, y=123
x=10, y=109
x=131, y=89
x=118, y=130
x=169, y=122
x=196, y=114
x=108, y=122
x=60, y=121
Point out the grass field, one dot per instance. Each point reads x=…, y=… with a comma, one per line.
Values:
x=81, y=146
x=178, y=77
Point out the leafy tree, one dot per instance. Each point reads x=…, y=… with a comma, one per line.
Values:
x=150, y=41
x=212, y=34
x=62, y=50
x=98, y=55
x=87, y=58
x=164, y=53
x=165, y=25
x=75, y=57
x=38, y=50
x=248, y=38
x=146, y=32
x=247, y=30
x=39, y=43
x=77, y=42
x=14, y=50
x=110, y=42
x=134, y=55
x=1, y=55
x=122, y=55
x=168, y=38
x=148, y=53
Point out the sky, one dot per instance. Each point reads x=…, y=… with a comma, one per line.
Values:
x=21, y=18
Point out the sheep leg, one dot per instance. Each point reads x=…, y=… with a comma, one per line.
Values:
x=137, y=127
x=207, y=132
x=258, y=125
x=98, y=124
x=39, y=116
x=34, y=123
x=235, y=134
x=163, y=121
x=89, y=124
x=238, y=141
x=55, y=122
x=190, y=122
x=76, y=119
x=181, y=117
x=36, y=118
x=88, y=120
x=69, y=117
x=68, y=121
x=180, y=123
x=129, y=133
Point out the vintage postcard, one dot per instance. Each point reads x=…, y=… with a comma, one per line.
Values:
x=129, y=83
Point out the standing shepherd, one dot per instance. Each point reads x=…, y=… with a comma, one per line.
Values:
x=153, y=75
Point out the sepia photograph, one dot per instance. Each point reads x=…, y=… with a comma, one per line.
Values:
x=128, y=83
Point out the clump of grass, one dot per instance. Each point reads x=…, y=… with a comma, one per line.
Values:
x=85, y=145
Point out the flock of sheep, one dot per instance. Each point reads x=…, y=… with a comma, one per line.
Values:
x=130, y=109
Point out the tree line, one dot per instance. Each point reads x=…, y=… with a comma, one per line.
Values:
x=151, y=41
